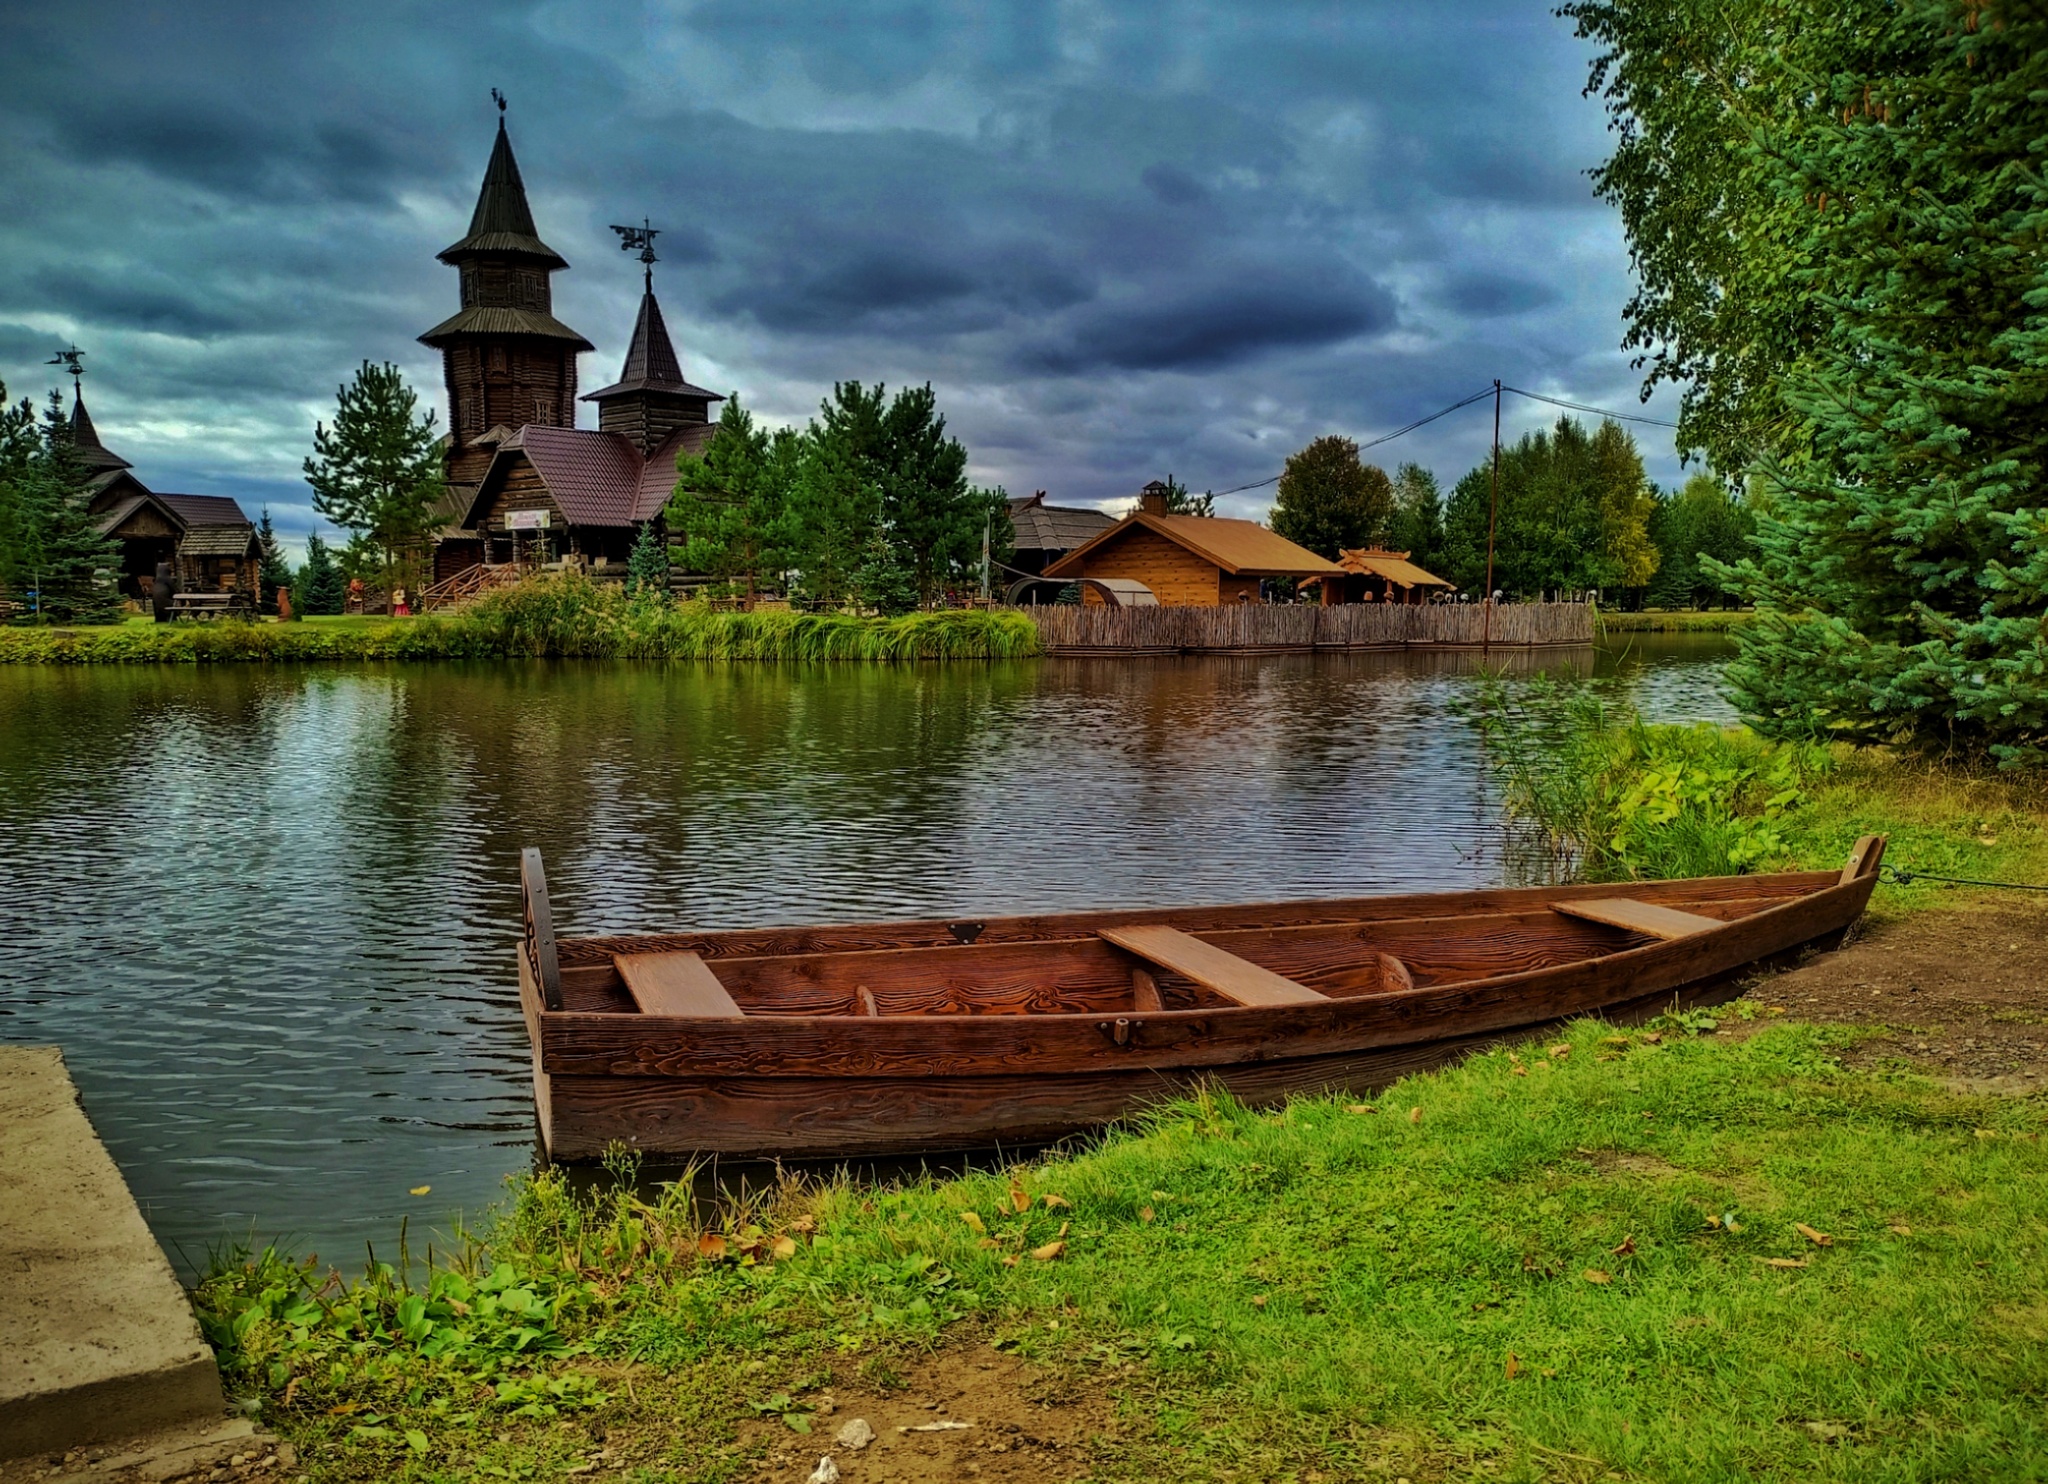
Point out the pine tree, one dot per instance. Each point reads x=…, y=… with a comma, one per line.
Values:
x=647, y=565
x=20, y=447
x=731, y=503
x=932, y=517
x=1180, y=502
x=377, y=473
x=60, y=557
x=836, y=511
x=1418, y=523
x=320, y=587
x=275, y=572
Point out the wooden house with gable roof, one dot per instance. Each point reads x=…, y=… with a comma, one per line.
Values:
x=1188, y=560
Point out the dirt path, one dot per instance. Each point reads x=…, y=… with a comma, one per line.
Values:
x=1962, y=994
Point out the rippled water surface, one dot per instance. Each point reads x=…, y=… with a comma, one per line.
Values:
x=269, y=914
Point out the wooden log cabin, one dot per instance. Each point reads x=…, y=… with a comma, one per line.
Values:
x=1189, y=560
x=1373, y=575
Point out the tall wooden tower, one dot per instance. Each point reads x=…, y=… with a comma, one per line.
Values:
x=508, y=361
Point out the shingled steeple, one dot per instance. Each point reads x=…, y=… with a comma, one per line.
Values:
x=508, y=362
x=650, y=400
x=85, y=439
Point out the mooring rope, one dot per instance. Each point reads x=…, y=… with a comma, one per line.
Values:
x=1900, y=877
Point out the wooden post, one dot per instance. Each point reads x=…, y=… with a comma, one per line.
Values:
x=1492, y=520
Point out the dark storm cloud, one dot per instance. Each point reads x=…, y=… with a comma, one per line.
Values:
x=1119, y=238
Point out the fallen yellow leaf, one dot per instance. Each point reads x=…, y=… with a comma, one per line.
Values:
x=1145, y=1213
x=1415, y=1115
x=1258, y=1301
x=1819, y=1239
x=1598, y=1275
x=1903, y=1230
x=1560, y=1052
x=710, y=1245
x=1514, y=1365
x=1784, y=1262
x=1058, y=1203
x=1010, y=1261
x=1519, y=1071
x=1626, y=1249
x=783, y=1247
x=421, y=1189
x=1360, y=1108
x=1048, y=1252
x=988, y=1244
x=1019, y=1201
x=973, y=1220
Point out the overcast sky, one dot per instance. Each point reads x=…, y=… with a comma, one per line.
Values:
x=1122, y=240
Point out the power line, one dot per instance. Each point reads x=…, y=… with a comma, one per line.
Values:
x=1627, y=417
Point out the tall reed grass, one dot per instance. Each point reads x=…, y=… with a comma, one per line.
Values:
x=549, y=618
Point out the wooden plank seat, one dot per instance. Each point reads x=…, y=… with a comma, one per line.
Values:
x=1639, y=917
x=675, y=984
x=205, y=605
x=1209, y=966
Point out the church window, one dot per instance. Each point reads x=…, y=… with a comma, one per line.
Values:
x=532, y=291
x=544, y=410
x=497, y=358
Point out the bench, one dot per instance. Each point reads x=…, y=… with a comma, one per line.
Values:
x=1646, y=918
x=210, y=605
x=675, y=984
x=1209, y=966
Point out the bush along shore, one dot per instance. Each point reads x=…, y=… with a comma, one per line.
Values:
x=551, y=618
x=1651, y=1252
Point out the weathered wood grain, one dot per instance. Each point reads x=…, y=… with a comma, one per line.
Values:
x=1236, y=979
x=678, y=984
x=1647, y=918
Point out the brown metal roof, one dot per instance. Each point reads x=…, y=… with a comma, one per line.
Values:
x=1042, y=527
x=502, y=221
x=1243, y=548
x=658, y=478
x=206, y=510
x=493, y=319
x=1392, y=565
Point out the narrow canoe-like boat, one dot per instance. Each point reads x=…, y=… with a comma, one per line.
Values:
x=881, y=1039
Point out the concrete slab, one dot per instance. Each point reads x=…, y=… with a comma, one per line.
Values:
x=97, y=1341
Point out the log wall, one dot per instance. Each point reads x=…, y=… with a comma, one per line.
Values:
x=1279, y=628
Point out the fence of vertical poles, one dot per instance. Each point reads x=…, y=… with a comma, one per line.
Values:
x=1289, y=628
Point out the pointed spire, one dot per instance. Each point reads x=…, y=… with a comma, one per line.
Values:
x=650, y=358
x=85, y=438
x=502, y=221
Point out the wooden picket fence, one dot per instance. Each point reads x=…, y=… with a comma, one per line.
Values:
x=1295, y=628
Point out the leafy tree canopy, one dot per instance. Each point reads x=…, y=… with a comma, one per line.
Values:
x=377, y=472
x=1837, y=214
x=1417, y=526
x=1328, y=501
x=1702, y=520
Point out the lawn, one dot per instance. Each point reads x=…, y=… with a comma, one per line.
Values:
x=1645, y=1254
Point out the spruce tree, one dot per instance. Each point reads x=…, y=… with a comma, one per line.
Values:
x=62, y=558
x=274, y=572
x=1418, y=523
x=647, y=564
x=731, y=503
x=321, y=588
x=377, y=472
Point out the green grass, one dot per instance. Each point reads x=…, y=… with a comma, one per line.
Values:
x=565, y=618
x=1675, y=620
x=1273, y=1296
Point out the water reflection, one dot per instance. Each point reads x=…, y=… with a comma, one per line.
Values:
x=268, y=913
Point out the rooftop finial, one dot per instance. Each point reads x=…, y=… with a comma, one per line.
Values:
x=72, y=360
x=499, y=99
x=641, y=237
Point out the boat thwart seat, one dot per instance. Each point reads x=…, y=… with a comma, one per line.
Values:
x=1639, y=917
x=1209, y=966
x=675, y=984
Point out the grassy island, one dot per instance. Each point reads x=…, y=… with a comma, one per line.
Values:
x=555, y=618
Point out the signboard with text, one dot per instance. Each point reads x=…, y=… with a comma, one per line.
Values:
x=526, y=520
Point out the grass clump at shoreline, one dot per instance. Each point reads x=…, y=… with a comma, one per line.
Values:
x=1675, y=621
x=1665, y=1257
x=549, y=618
x=1593, y=792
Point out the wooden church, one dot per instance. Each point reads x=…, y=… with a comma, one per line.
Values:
x=526, y=485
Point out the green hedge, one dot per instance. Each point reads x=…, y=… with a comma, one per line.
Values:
x=551, y=618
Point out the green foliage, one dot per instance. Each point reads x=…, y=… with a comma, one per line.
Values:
x=1328, y=501
x=1574, y=515
x=1180, y=502
x=275, y=572
x=53, y=559
x=1837, y=214
x=1418, y=521
x=1332, y=1287
x=319, y=587
x=731, y=505
x=377, y=472
x=647, y=565
x=1700, y=524
x=1610, y=798
x=556, y=617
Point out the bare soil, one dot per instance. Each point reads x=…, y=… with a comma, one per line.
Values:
x=966, y=1413
x=1961, y=995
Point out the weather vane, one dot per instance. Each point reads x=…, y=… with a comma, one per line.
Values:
x=499, y=99
x=641, y=237
x=71, y=360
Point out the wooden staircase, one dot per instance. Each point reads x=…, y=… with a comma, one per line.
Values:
x=452, y=592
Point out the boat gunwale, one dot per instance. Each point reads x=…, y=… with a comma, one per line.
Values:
x=900, y=1045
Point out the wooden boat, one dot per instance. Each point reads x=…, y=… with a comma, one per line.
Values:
x=898, y=1038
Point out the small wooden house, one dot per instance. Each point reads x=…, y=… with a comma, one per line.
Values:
x=1041, y=534
x=1189, y=560
x=1375, y=576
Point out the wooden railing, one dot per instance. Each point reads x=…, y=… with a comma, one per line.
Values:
x=1280, y=628
x=466, y=584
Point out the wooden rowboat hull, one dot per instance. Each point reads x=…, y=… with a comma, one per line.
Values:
x=888, y=1039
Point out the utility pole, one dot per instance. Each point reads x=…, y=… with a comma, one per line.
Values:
x=988, y=527
x=1492, y=521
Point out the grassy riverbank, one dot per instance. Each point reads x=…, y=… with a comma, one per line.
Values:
x=561, y=618
x=1658, y=1255
x=1675, y=621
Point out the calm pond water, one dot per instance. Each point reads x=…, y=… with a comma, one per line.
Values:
x=269, y=914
